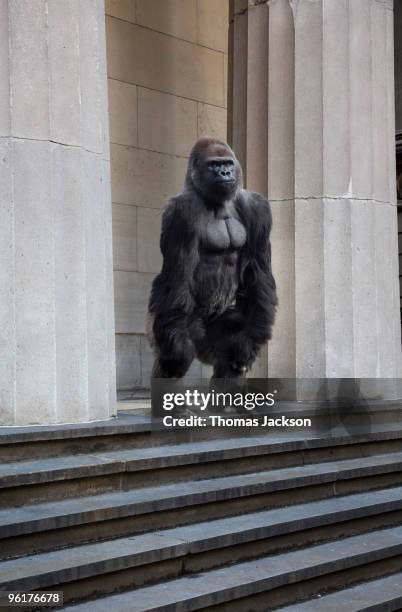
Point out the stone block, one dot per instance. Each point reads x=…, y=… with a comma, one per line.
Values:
x=124, y=237
x=96, y=203
x=104, y=105
x=390, y=54
x=35, y=389
x=148, y=236
x=166, y=123
x=238, y=118
x=257, y=98
x=5, y=115
x=396, y=270
x=144, y=177
x=110, y=316
x=379, y=93
x=387, y=289
x=360, y=106
x=64, y=82
x=147, y=361
x=338, y=293
x=364, y=293
x=144, y=57
x=282, y=346
x=225, y=80
x=122, y=113
x=93, y=84
x=213, y=24
x=175, y=17
x=128, y=361
x=29, y=76
x=70, y=284
x=308, y=100
x=310, y=289
x=123, y=9
x=335, y=100
x=132, y=291
x=7, y=310
x=212, y=121
x=281, y=101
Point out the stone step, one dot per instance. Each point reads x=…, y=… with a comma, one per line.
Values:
x=264, y=583
x=46, y=526
x=383, y=595
x=134, y=431
x=230, y=539
x=89, y=474
x=17, y=443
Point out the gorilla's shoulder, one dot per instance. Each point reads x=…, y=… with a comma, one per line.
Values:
x=180, y=210
x=255, y=199
x=255, y=207
x=182, y=201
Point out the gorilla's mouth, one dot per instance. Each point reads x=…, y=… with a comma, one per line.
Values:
x=226, y=181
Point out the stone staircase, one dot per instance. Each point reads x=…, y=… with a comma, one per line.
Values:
x=122, y=518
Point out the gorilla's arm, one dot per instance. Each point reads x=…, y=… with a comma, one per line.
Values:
x=171, y=298
x=257, y=298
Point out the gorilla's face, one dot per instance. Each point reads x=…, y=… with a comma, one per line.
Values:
x=221, y=173
x=213, y=170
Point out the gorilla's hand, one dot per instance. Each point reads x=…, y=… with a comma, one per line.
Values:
x=238, y=356
x=176, y=361
x=242, y=353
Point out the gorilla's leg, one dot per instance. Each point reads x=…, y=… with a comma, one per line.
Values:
x=172, y=360
x=172, y=367
x=221, y=346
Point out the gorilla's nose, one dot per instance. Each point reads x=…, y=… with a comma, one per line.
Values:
x=225, y=173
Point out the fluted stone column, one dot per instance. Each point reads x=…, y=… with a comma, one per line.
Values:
x=312, y=119
x=56, y=294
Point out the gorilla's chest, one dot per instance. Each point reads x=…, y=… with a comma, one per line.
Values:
x=224, y=232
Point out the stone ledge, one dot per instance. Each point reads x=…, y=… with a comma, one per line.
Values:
x=245, y=579
x=127, y=422
x=80, y=466
x=123, y=423
x=54, y=568
x=385, y=594
x=109, y=506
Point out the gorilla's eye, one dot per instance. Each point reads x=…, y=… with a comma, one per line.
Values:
x=217, y=166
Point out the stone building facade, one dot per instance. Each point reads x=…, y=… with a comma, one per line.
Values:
x=98, y=110
x=167, y=69
x=314, y=125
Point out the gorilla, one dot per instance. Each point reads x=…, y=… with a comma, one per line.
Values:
x=215, y=297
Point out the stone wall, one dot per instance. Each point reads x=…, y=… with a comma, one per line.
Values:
x=167, y=71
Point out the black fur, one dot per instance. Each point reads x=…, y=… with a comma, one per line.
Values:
x=215, y=296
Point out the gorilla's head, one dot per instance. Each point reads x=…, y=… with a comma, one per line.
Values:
x=213, y=170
